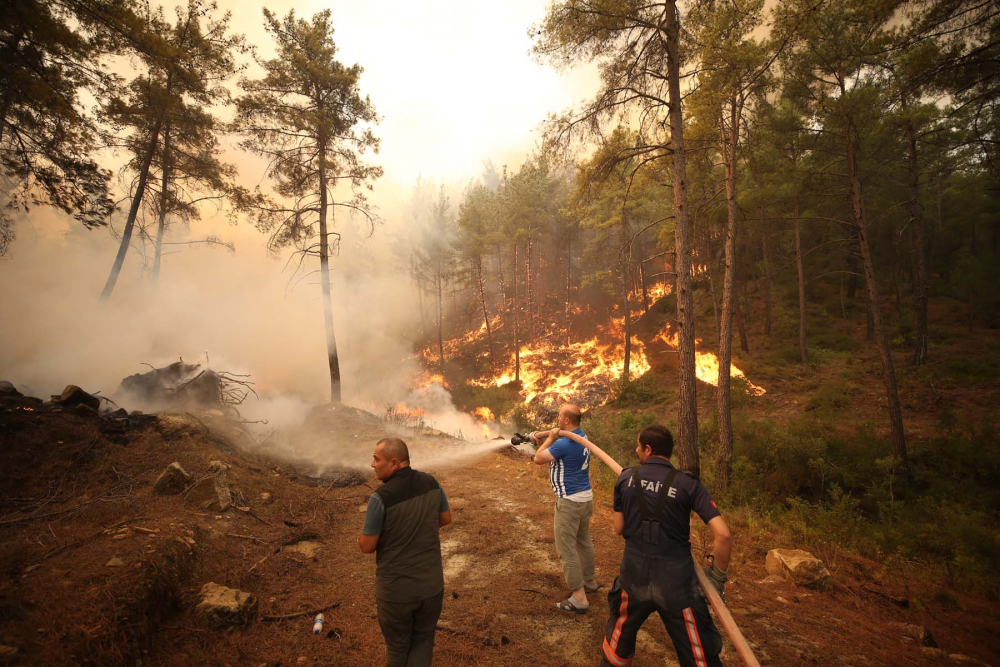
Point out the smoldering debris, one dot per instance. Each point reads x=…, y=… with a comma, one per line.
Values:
x=182, y=385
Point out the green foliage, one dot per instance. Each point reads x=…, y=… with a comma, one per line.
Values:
x=645, y=391
x=616, y=434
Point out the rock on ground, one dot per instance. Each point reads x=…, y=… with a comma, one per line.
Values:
x=798, y=566
x=210, y=493
x=171, y=481
x=226, y=606
x=916, y=634
x=73, y=395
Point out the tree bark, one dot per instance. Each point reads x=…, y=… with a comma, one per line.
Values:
x=566, y=313
x=140, y=190
x=642, y=285
x=530, y=334
x=628, y=320
x=920, y=249
x=687, y=452
x=767, y=281
x=803, y=350
x=885, y=354
x=440, y=312
x=324, y=266
x=722, y=394
x=486, y=316
x=514, y=314
x=162, y=223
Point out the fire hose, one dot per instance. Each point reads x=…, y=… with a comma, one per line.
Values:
x=721, y=611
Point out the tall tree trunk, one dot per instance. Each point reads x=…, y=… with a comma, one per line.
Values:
x=803, y=350
x=517, y=339
x=767, y=281
x=440, y=312
x=885, y=354
x=486, y=316
x=716, y=309
x=628, y=320
x=161, y=226
x=324, y=266
x=687, y=451
x=140, y=190
x=920, y=250
x=642, y=284
x=569, y=267
x=530, y=334
x=722, y=394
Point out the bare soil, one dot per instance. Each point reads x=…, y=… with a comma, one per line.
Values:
x=77, y=493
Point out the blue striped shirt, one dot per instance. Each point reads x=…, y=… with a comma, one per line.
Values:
x=569, y=474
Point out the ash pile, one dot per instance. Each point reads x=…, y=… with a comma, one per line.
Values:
x=182, y=385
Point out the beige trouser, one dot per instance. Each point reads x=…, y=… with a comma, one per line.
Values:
x=573, y=543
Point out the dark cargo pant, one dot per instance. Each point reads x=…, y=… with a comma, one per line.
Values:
x=695, y=638
x=408, y=629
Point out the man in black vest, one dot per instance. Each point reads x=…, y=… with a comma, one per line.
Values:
x=652, y=511
x=401, y=527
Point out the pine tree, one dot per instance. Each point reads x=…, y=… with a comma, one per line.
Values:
x=307, y=117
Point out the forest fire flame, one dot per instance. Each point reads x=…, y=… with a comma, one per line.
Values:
x=706, y=365
x=581, y=371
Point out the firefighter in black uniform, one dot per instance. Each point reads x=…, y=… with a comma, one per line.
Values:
x=652, y=511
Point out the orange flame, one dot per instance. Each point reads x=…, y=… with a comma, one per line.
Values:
x=706, y=365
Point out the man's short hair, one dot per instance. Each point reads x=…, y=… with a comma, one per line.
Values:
x=658, y=438
x=573, y=412
x=395, y=449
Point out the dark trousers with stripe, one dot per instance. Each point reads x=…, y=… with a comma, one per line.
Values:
x=695, y=638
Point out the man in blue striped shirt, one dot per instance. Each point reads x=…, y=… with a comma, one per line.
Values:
x=569, y=475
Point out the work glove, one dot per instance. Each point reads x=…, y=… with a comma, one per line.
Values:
x=717, y=577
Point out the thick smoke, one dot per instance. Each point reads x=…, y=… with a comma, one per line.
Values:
x=241, y=312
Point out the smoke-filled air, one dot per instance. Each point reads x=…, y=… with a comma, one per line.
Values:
x=253, y=254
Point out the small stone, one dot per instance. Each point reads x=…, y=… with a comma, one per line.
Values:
x=266, y=498
x=119, y=536
x=218, y=466
x=226, y=606
x=960, y=657
x=781, y=600
x=932, y=652
x=171, y=481
x=115, y=562
x=301, y=659
x=211, y=493
x=915, y=634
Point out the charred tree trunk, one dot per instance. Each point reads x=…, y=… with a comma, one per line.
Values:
x=162, y=222
x=140, y=190
x=687, y=451
x=324, y=265
x=920, y=249
x=767, y=282
x=486, y=316
x=803, y=350
x=885, y=354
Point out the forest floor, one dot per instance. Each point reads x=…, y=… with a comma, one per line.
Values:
x=77, y=493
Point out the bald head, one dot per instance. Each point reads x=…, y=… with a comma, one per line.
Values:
x=394, y=448
x=572, y=413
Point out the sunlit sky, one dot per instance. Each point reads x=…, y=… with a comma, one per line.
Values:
x=452, y=79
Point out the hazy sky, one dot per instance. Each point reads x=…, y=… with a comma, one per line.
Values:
x=452, y=79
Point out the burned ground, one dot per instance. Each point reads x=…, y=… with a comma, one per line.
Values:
x=98, y=570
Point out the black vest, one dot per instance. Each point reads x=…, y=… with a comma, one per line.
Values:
x=408, y=555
